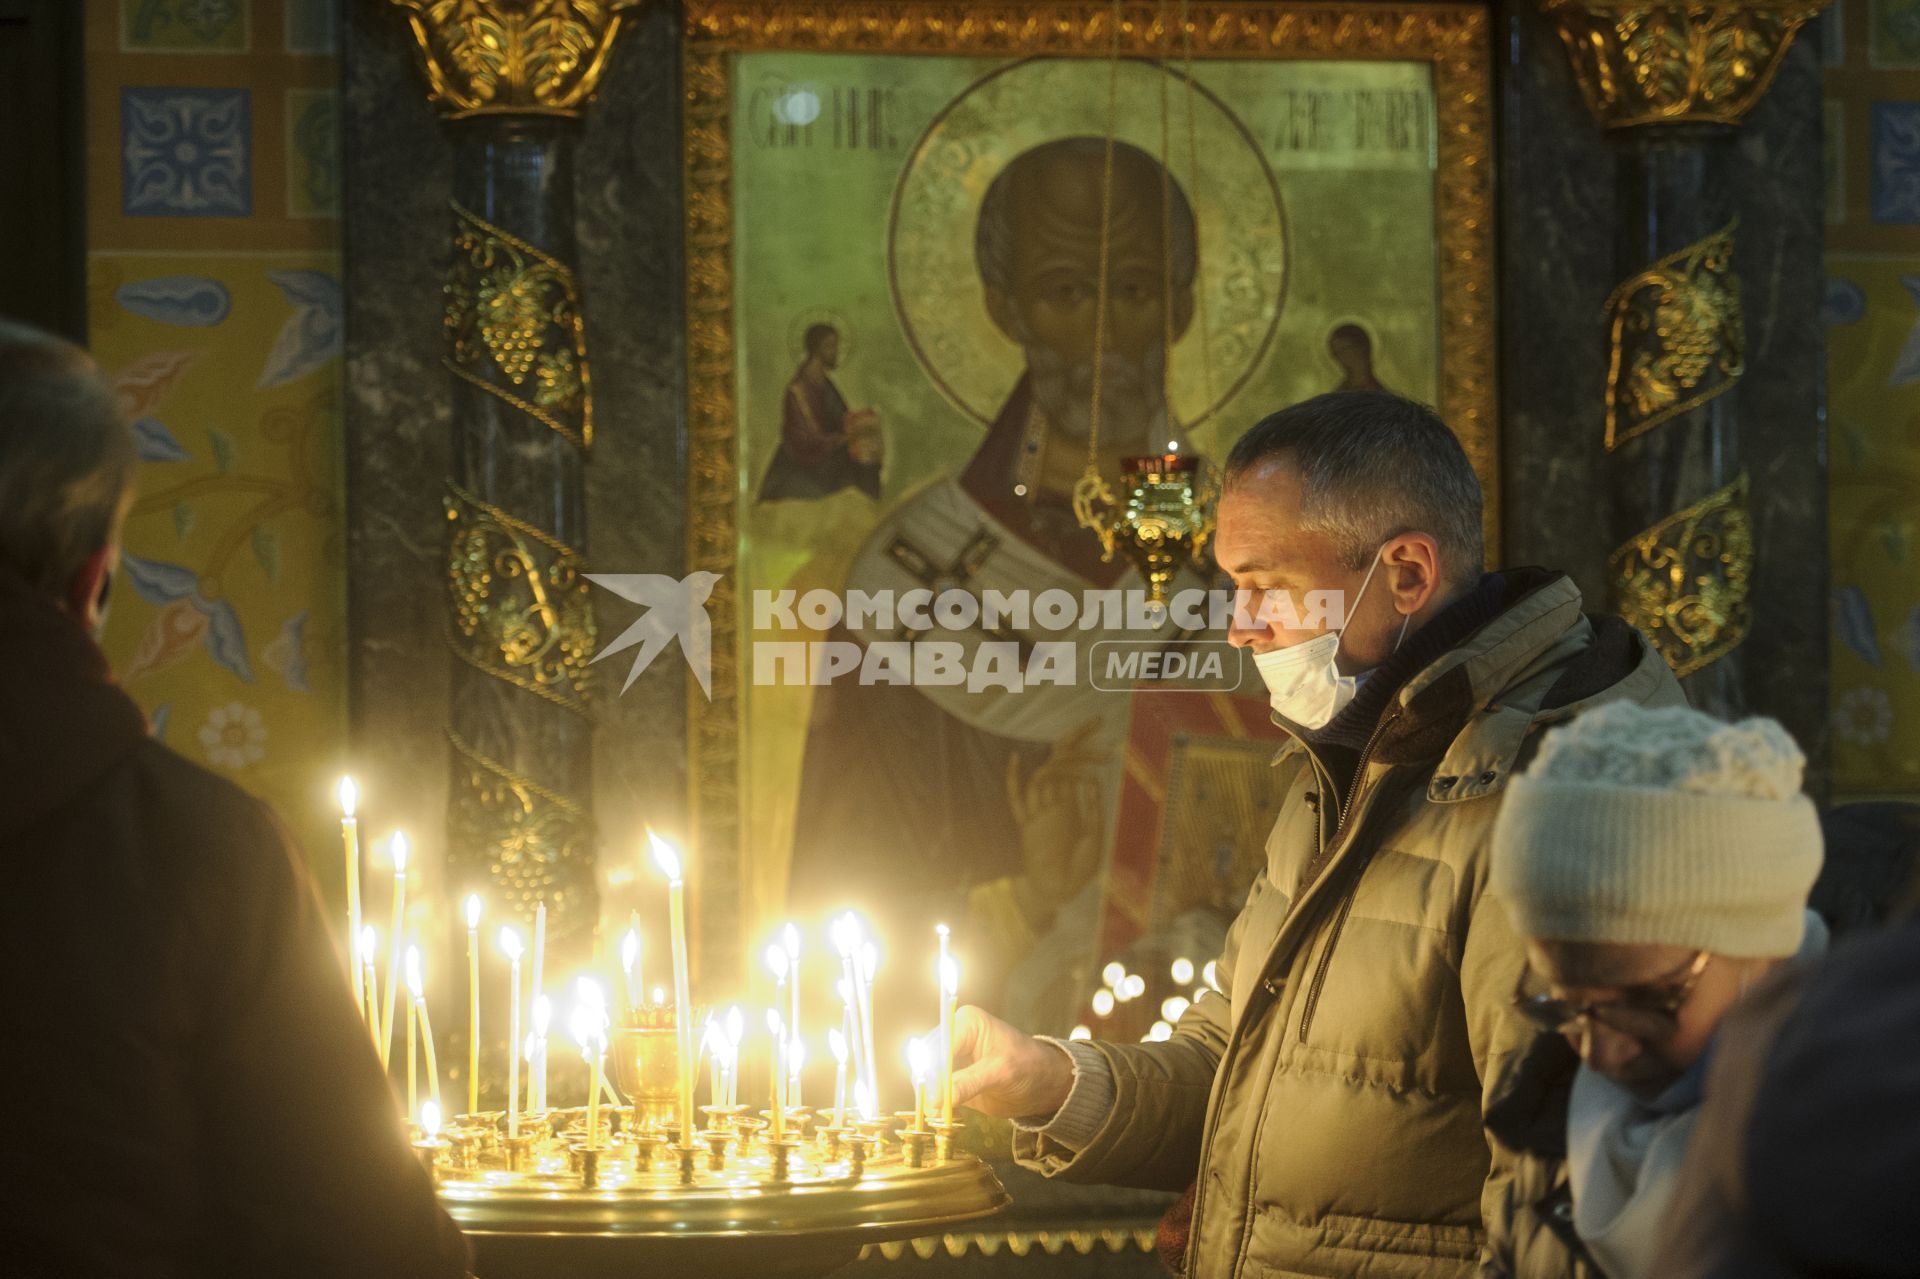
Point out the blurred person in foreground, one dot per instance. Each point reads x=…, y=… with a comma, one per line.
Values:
x=192, y=1089
x=1658, y=863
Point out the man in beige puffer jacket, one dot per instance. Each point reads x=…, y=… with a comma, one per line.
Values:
x=1327, y=1106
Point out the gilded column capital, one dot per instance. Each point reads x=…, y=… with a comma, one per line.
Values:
x=514, y=57
x=1702, y=63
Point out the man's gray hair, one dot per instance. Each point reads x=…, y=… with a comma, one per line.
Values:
x=993, y=237
x=1374, y=465
x=67, y=459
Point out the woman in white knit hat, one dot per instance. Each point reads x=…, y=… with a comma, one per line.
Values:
x=1658, y=863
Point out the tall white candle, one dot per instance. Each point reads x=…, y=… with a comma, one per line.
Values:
x=736, y=1031
x=370, y=982
x=399, y=845
x=590, y=1032
x=510, y=943
x=777, y=1063
x=837, y=1042
x=869, y=967
x=790, y=937
x=537, y=1059
x=350, y=838
x=473, y=1003
x=949, y=1004
x=668, y=860
x=629, y=959
x=417, y=987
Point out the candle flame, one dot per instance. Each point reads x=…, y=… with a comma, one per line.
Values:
x=589, y=1018
x=542, y=1015
x=369, y=945
x=629, y=949
x=949, y=976
x=736, y=1026
x=1114, y=973
x=943, y=930
x=510, y=944
x=1174, y=1007
x=665, y=856
x=659, y=996
x=837, y=1045
x=1102, y=1003
x=414, y=983
x=1211, y=974
x=846, y=934
x=1080, y=1032
x=715, y=1042
x=399, y=843
x=919, y=1059
x=430, y=1120
x=473, y=911
x=1173, y=446
x=777, y=963
x=1182, y=972
x=791, y=936
x=349, y=796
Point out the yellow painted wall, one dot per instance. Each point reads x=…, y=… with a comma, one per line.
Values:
x=214, y=306
x=1872, y=313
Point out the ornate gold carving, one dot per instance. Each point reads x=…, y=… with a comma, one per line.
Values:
x=513, y=315
x=1683, y=583
x=1019, y=1243
x=519, y=600
x=1678, y=337
x=1668, y=64
x=1452, y=38
x=534, y=841
x=514, y=57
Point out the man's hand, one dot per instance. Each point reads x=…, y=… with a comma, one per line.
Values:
x=1005, y=1072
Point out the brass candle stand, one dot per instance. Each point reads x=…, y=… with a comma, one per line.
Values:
x=634, y=1198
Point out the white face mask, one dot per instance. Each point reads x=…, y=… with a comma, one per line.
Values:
x=1304, y=683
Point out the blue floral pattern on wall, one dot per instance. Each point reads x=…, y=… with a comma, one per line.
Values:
x=186, y=152
x=1896, y=162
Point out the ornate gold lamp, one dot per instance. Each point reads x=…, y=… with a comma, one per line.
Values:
x=1165, y=519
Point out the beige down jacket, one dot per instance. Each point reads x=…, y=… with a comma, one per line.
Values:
x=1330, y=1105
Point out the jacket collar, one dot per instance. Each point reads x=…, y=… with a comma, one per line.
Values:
x=63, y=721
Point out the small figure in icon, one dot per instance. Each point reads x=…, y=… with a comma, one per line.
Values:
x=824, y=446
x=1352, y=349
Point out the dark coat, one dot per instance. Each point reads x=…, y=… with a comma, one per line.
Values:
x=1807, y=1152
x=190, y=1088
x=1530, y=1231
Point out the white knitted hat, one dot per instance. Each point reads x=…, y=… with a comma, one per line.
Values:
x=1666, y=827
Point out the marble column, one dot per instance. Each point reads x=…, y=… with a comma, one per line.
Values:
x=1671, y=85
x=511, y=81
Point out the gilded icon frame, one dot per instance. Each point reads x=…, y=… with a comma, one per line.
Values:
x=1453, y=39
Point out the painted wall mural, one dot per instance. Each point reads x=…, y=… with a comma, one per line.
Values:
x=214, y=308
x=1872, y=314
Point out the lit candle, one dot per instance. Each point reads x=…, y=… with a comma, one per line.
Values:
x=629, y=959
x=869, y=966
x=370, y=981
x=399, y=845
x=791, y=937
x=837, y=1042
x=418, y=988
x=350, y=837
x=949, y=1003
x=778, y=1064
x=736, y=1031
x=714, y=1045
x=413, y=1025
x=473, y=1004
x=510, y=943
x=539, y=986
x=668, y=861
x=850, y=1019
x=537, y=1054
x=917, y=1063
x=590, y=1032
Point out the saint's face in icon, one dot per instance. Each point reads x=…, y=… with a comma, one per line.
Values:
x=1038, y=249
x=827, y=350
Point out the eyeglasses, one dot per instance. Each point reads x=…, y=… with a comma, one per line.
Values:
x=1649, y=1011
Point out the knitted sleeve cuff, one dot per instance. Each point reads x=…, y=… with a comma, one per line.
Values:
x=1089, y=1102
